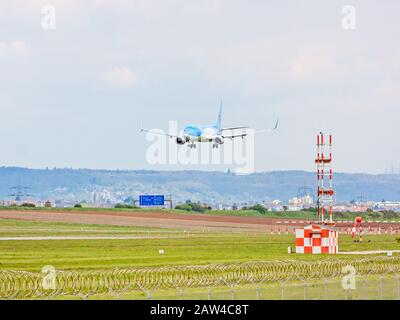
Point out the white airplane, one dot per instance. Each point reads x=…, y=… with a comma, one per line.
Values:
x=213, y=133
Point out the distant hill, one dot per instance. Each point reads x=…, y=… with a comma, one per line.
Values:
x=212, y=187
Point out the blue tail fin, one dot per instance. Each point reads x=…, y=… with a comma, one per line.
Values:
x=218, y=122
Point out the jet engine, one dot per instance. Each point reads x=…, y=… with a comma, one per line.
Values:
x=219, y=140
x=180, y=140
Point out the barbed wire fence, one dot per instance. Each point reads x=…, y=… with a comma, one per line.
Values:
x=372, y=278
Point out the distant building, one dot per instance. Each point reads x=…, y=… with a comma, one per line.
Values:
x=303, y=201
x=299, y=203
x=274, y=205
x=387, y=206
x=48, y=204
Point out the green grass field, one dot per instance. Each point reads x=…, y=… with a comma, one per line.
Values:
x=367, y=288
x=181, y=248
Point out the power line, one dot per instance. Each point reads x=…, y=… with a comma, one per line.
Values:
x=20, y=192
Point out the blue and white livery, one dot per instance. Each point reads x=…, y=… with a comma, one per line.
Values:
x=214, y=134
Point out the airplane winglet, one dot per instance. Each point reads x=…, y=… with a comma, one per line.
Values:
x=276, y=125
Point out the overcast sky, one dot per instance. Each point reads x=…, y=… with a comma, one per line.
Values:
x=76, y=96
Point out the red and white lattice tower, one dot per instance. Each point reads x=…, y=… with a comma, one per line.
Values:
x=325, y=178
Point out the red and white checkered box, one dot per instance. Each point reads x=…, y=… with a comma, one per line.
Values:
x=316, y=239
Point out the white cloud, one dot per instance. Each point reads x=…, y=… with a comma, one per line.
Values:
x=18, y=48
x=388, y=90
x=202, y=6
x=119, y=77
x=159, y=8
x=318, y=64
x=34, y=6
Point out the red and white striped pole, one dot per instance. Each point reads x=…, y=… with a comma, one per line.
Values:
x=319, y=177
x=322, y=179
x=330, y=182
x=324, y=168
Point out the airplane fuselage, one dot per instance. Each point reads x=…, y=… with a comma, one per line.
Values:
x=211, y=134
x=195, y=133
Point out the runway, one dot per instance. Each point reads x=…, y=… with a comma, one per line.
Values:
x=370, y=252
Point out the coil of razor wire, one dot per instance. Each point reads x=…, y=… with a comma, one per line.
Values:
x=24, y=284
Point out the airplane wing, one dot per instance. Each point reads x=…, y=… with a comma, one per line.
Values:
x=242, y=135
x=159, y=133
x=236, y=136
x=234, y=128
x=269, y=130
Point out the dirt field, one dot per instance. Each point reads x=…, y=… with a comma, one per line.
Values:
x=171, y=220
x=150, y=219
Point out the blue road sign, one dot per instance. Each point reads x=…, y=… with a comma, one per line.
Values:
x=151, y=200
